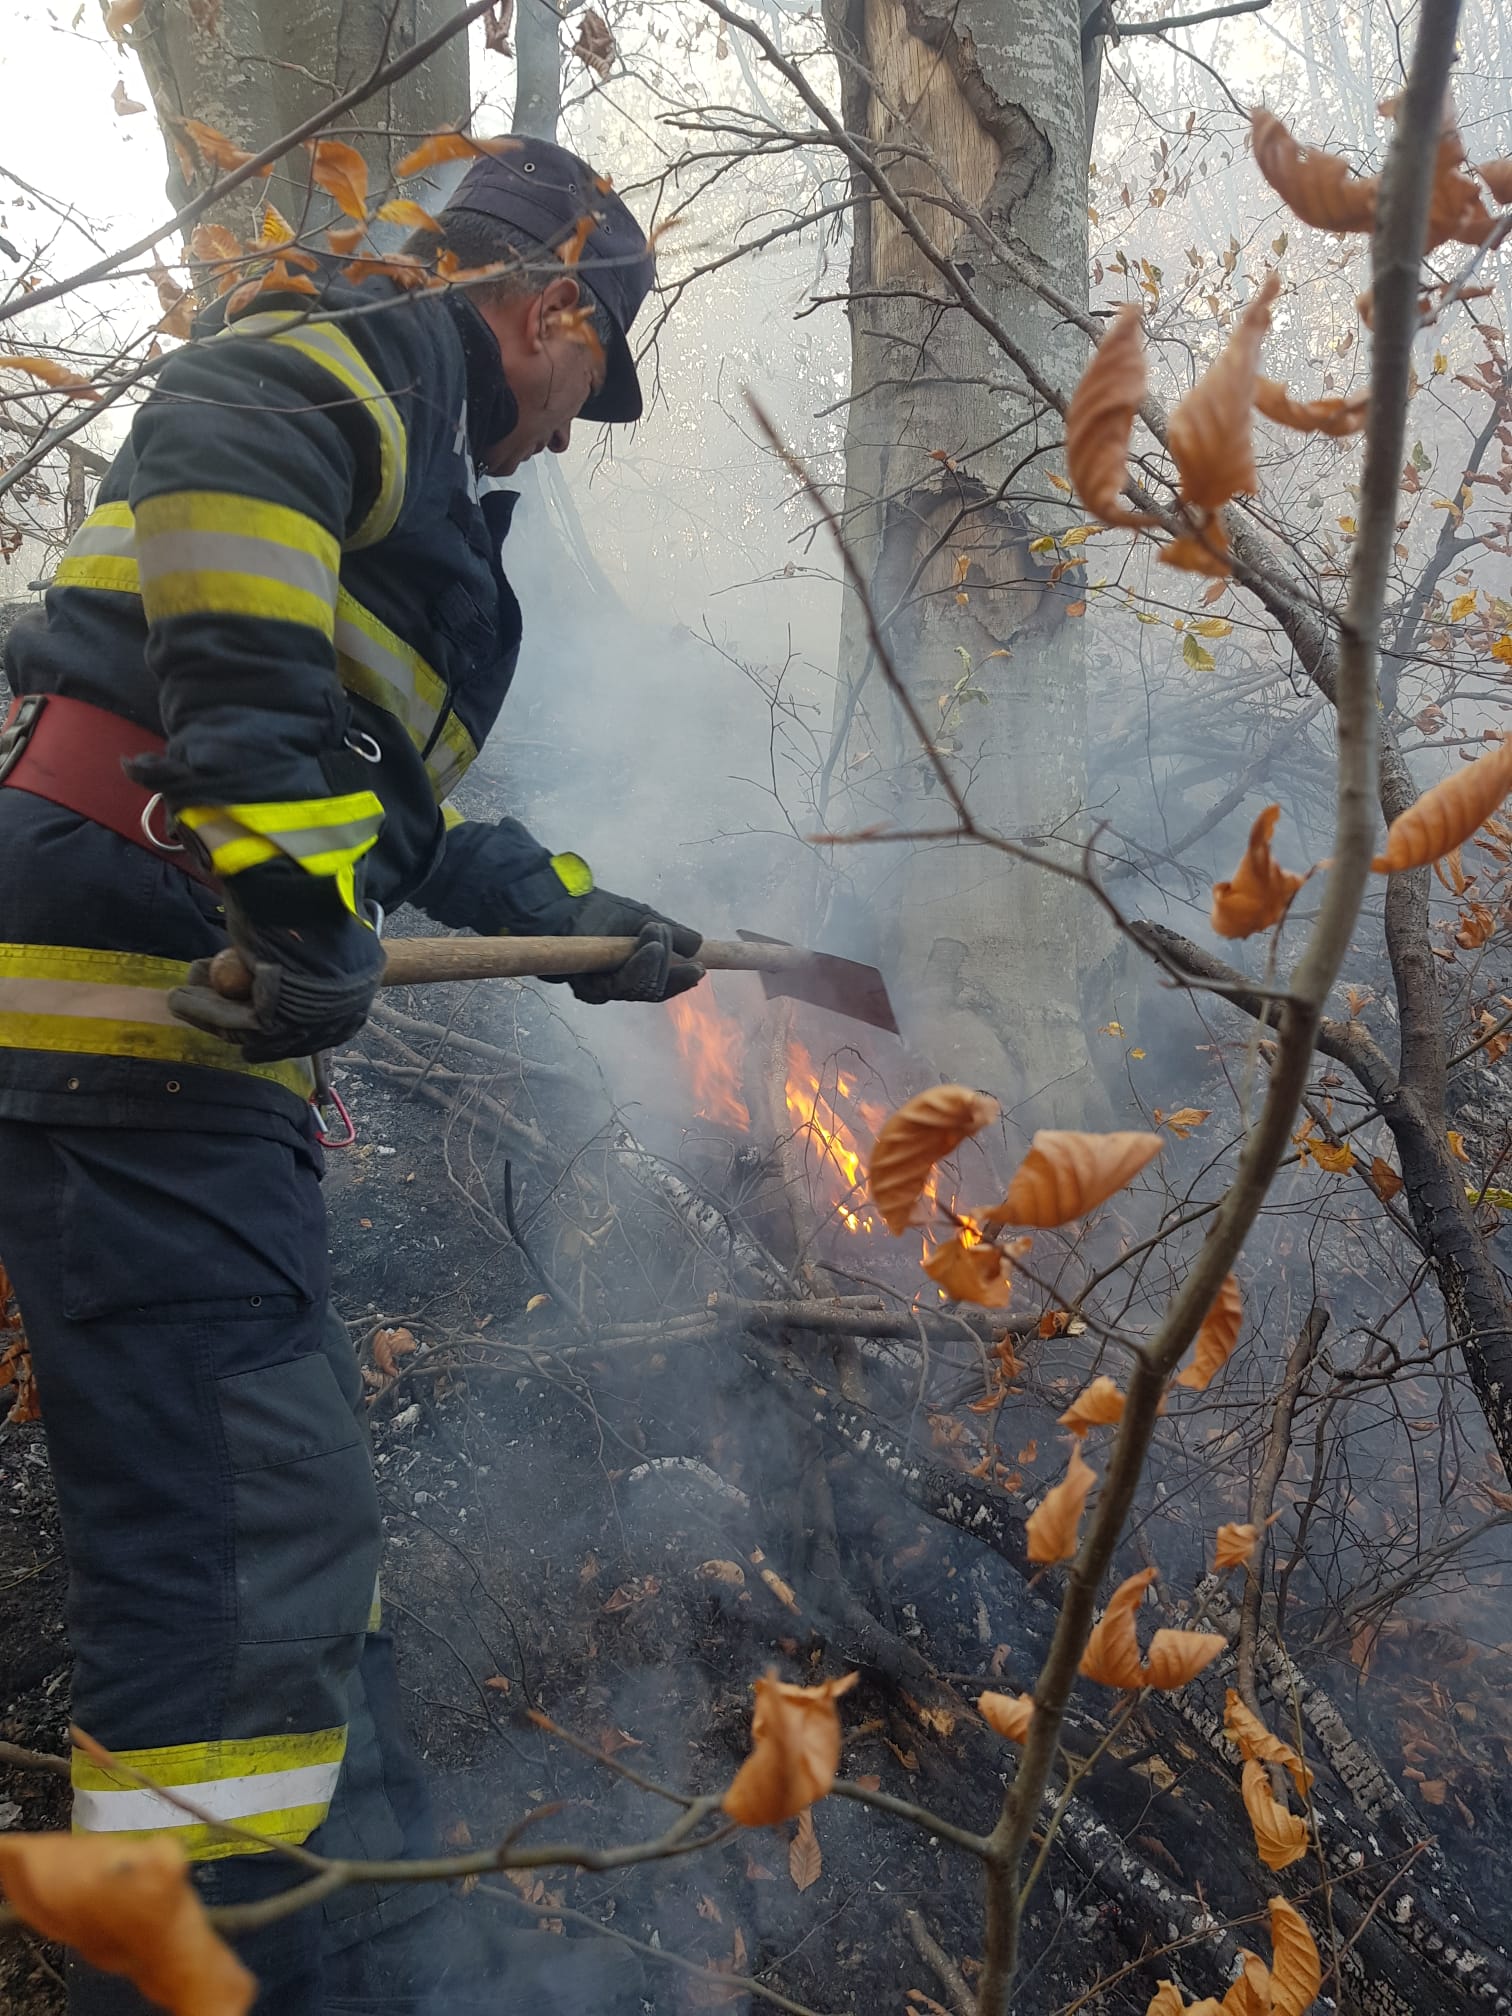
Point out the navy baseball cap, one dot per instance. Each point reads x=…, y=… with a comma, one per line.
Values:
x=547, y=193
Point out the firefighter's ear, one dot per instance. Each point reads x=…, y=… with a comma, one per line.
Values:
x=557, y=299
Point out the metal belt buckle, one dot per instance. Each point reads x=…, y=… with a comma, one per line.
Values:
x=17, y=731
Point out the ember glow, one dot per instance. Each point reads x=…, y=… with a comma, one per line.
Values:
x=710, y=1043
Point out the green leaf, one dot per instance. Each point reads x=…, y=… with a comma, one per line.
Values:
x=1196, y=656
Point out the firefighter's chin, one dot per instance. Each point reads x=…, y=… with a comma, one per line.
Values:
x=507, y=458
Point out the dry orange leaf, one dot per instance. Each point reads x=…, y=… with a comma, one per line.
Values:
x=805, y=1862
x=449, y=145
x=1260, y=891
x=1112, y=1654
x=1234, y=1546
x=1497, y=176
x=1335, y=417
x=1253, y=1740
x=1384, y=1179
x=1448, y=814
x=126, y=1907
x=1280, y=1835
x=397, y=266
x=51, y=373
x=1166, y=2001
x=413, y=216
x=1457, y=1145
x=1216, y=1339
x=1210, y=425
x=1184, y=1120
x=1204, y=553
x=1250, y=1995
x=796, y=1733
x=1053, y=1522
x=389, y=1346
x=119, y=16
x=341, y=171
x=970, y=1272
x=1456, y=209
x=571, y=248
x=1318, y=187
x=1096, y=1406
x=1176, y=1657
x=1296, y=1972
x=1337, y=1157
x=1007, y=1713
x=1066, y=1175
x=1100, y=419
x=213, y=146
x=914, y=1138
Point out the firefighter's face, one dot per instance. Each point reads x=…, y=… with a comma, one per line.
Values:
x=553, y=362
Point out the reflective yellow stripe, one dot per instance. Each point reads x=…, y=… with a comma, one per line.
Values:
x=452, y=818
x=102, y=553
x=375, y=1608
x=213, y=552
x=376, y=663
x=63, y=998
x=278, y=1787
x=372, y=660
x=326, y=836
x=335, y=352
x=573, y=872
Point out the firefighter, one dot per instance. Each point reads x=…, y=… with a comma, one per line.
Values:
x=266, y=659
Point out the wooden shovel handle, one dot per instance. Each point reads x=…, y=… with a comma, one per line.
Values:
x=411, y=961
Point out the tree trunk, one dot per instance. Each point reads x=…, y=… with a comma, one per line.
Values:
x=256, y=70
x=538, y=70
x=207, y=63
x=985, y=952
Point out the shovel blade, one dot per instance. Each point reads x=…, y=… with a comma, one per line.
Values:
x=843, y=986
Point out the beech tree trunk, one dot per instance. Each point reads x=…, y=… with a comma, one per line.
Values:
x=986, y=953
x=256, y=69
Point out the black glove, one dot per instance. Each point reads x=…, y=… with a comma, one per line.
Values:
x=311, y=988
x=661, y=964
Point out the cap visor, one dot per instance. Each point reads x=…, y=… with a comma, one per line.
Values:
x=619, y=398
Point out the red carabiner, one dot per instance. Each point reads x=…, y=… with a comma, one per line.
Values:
x=323, y=1101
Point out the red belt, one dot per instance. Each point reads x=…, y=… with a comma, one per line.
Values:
x=72, y=754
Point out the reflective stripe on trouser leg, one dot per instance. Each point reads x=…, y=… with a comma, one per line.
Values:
x=216, y=1495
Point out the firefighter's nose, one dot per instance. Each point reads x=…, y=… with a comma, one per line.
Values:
x=561, y=439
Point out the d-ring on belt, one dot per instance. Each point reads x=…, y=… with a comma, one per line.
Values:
x=73, y=754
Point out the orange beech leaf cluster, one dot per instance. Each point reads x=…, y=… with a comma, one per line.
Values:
x=1259, y=892
x=796, y=1732
x=1317, y=187
x=1100, y=420
x=1007, y=1713
x=970, y=1272
x=914, y=1138
x=449, y=145
x=1065, y=1175
x=1053, y=1523
x=341, y=171
x=1286, y=1988
x=1448, y=814
x=1280, y=1834
x=1216, y=1339
x=1336, y=417
x=127, y=1907
x=1210, y=425
x=1252, y=1739
x=1234, y=1546
x=1096, y=1406
x=1112, y=1657
x=52, y=374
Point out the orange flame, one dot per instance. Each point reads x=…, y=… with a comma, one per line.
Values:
x=710, y=1044
x=836, y=1147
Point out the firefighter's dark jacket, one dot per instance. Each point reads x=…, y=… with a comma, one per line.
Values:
x=291, y=575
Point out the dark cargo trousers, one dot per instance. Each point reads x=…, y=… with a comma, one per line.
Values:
x=203, y=1418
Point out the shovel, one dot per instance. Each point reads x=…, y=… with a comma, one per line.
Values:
x=786, y=971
